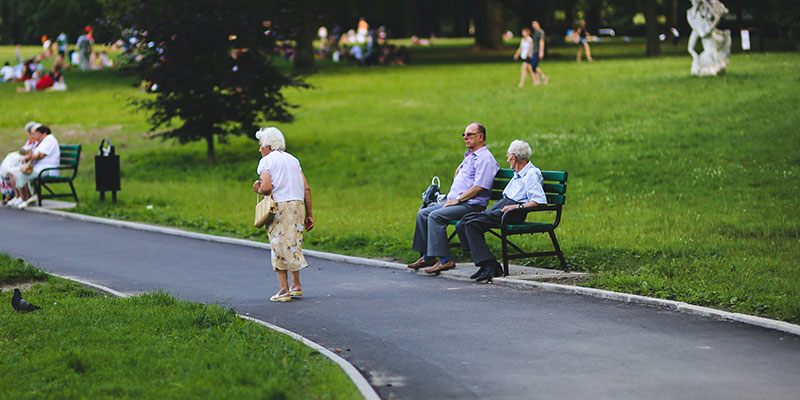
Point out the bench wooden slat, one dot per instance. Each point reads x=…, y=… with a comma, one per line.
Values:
x=504, y=173
x=554, y=188
x=560, y=176
x=69, y=160
x=556, y=199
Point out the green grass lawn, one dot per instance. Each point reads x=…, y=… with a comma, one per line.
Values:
x=681, y=188
x=82, y=344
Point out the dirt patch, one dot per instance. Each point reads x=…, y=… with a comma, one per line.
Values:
x=567, y=280
x=69, y=134
x=21, y=286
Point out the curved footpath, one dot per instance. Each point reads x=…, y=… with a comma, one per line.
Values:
x=419, y=337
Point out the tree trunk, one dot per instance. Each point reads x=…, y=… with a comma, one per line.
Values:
x=210, y=149
x=651, y=17
x=672, y=19
x=488, y=33
x=304, y=52
x=410, y=18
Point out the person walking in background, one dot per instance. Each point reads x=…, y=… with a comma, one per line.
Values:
x=538, y=53
x=62, y=44
x=470, y=192
x=525, y=51
x=282, y=177
x=85, y=49
x=583, y=43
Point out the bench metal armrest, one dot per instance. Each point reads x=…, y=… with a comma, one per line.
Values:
x=72, y=167
x=521, y=214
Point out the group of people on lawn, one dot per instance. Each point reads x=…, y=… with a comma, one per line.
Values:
x=281, y=176
x=20, y=168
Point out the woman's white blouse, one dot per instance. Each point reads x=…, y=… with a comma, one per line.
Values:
x=286, y=175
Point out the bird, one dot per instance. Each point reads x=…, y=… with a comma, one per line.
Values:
x=21, y=304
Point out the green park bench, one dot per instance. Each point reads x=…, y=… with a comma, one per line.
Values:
x=555, y=187
x=70, y=157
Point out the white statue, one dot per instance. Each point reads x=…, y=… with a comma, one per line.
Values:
x=703, y=18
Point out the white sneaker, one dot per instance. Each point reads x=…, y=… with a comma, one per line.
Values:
x=25, y=203
x=14, y=202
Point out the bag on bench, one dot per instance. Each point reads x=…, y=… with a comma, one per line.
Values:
x=431, y=195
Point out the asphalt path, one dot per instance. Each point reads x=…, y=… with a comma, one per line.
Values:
x=422, y=337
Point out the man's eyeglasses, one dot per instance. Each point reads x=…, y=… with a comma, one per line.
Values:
x=465, y=134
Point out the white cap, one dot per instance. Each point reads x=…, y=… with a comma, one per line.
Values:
x=30, y=125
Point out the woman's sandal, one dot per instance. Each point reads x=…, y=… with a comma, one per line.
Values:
x=295, y=292
x=278, y=297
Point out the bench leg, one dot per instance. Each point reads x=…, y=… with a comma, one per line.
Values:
x=74, y=193
x=39, y=192
x=558, y=250
x=504, y=242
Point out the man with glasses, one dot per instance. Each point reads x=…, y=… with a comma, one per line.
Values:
x=469, y=192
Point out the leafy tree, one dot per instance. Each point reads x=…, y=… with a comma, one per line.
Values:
x=25, y=21
x=208, y=64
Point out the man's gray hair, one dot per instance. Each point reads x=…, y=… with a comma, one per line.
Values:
x=271, y=137
x=481, y=129
x=520, y=149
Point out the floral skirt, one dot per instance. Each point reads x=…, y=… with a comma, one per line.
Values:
x=286, y=236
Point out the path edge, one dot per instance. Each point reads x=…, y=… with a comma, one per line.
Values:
x=510, y=282
x=361, y=383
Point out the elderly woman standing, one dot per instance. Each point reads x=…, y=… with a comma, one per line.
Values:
x=282, y=177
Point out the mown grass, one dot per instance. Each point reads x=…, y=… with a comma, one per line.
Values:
x=681, y=188
x=82, y=344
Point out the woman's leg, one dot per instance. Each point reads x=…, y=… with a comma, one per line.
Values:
x=296, y=281
x=580, y=52
x=522, y=77
x=283, y=282
x=588, y=52
x=530, y=72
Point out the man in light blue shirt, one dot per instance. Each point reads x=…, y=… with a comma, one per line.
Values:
x=523, y=190
x=470, y=192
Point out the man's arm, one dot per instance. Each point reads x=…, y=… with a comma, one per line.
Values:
x=33, y=156
x=470, y=193
x=541, y=48
x=524, y=205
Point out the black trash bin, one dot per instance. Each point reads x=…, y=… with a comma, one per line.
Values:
x=106, y=171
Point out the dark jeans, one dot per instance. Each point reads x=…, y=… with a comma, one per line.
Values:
x=472, y=227
x=430, y=233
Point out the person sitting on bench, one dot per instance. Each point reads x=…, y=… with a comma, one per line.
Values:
x=470, y=192
x=523, y=190
x=46, y=154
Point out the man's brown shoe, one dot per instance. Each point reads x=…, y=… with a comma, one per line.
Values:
x=439, y=267
x=422, y=263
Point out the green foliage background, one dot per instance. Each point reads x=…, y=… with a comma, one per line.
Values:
x=680, y=188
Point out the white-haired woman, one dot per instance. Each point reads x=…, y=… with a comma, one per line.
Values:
x=12, y=165
x=282, y=177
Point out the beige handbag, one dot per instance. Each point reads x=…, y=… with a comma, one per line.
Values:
x=27, y=167
x=265, y=211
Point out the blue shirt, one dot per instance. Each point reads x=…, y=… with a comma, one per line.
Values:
x=477, y=169
x=526, y=186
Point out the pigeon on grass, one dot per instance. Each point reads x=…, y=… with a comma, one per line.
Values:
x=21, y=304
